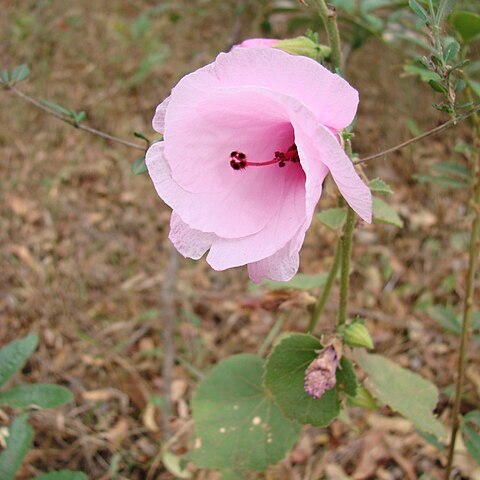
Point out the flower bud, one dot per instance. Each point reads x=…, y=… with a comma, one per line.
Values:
x=303, y=46
x=320, y=374
x=357, y=335
x=363, y=398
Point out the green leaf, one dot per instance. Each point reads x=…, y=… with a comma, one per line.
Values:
x=14, y=356
x=384, y=213
x=377, y=185
x=36, y=395
x=346, y=377
x=79, y=117
x=333, y=218
x=470, y=428
x=403, y=391
x=5, y=76
x=467, y=24
x=440, y=180
x=454, y=169
x=139, y=166
x=284, y=378
x=20, y=436
x=446, y=318
x=444, y=9
x=474, y=85
x=424, y=74
x=301, y=281
x=62, y=475
x=238, y=425
x=451, y=51
x=20, y=73
x=437, y=86
x=57, y=108
x=419, y=11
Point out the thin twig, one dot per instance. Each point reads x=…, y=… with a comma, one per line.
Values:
x=168, y=327
x=65, y=119
x=473, y=255
x=433, y=131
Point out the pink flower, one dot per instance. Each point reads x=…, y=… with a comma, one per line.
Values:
x=257, y=42
x=248, y=142
x=320, y=375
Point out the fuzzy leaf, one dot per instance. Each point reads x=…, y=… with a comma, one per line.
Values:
x=301, y=281
x=36, y=395
x=333, y=218
x=467, y=24
x=20, y=436
x=384, y=213
x=285, y=377
x=346, y=377
x=403, y=391
x=470, y=428
x=139, y=166
x=238, y=425
x=20, y=73
x=419, y=11
x=377, y=185
x=14, y=356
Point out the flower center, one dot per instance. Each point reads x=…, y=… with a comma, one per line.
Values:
x=238, y=160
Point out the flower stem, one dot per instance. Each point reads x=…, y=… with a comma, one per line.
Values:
x=329, y=18
x=346, y=247
x=474, y=251
x=332, y=275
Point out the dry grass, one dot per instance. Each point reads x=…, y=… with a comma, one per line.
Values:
x=82, y=246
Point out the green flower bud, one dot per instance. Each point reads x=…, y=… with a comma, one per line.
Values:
x=363, y=398
x=357, y=335
x=303, y=46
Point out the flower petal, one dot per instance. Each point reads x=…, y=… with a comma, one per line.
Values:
x=227, y=253
x=351, y=186
x=189, y=242
x=333, y=101
x=158, y=121
x=226, y=214
x=281, y=266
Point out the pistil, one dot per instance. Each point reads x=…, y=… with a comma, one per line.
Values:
x=238, y=160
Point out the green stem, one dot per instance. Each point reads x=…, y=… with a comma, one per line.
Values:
x=346, y=243
x=474, y=251
x=272, y=335
x=332, y=275
x=329, y=18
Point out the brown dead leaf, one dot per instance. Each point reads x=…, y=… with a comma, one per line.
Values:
x=148, y=418
x=102, y=395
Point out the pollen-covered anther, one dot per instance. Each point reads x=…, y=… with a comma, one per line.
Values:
x=238, y=160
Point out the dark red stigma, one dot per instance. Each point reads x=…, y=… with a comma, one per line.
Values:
x=238, y=160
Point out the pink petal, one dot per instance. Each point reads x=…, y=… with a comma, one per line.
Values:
x=257, y=42
x=158, y=121
x=351, y=186
x=190, y=243
x=282, y=266
x=332, y=100
x=226, y=253
x=224, y=213
x=199, y=139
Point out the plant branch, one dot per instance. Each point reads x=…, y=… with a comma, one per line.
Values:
x=329, y=18
x=346, y=242
x=428, y=133
x=65, y=119
x=474, y=252
x=321, y=302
